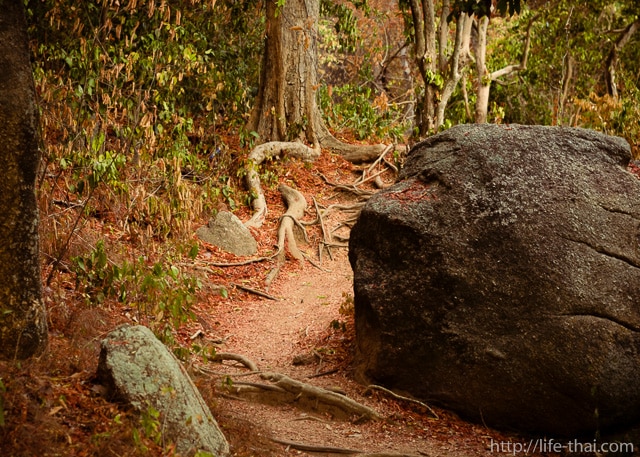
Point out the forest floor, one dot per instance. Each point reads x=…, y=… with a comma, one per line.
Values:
x=307, y=333
x=52, y=405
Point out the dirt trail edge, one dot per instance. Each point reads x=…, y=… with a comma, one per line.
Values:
x=307, y=335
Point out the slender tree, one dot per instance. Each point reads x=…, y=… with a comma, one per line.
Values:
x=23, y=323
x=486, y=77
x=612, y=59
x=443, y=64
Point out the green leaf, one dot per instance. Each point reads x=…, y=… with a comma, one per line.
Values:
x=193, y=252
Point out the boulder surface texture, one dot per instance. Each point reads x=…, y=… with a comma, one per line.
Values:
x=139, y=369
x=500, y=277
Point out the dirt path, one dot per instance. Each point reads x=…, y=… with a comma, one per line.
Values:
x=307, y=319
x=313, y=317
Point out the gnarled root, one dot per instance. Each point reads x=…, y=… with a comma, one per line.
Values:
x=267, y=151
x=283, y=389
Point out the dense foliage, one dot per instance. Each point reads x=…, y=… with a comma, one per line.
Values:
x=144, y=103
x=565, y=82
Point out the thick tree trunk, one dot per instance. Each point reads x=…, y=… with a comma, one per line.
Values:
x=286, y=107
x=23, y=323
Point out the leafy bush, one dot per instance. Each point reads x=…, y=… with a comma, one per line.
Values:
x=158, y=292
x=131, y=97
x=358, y=109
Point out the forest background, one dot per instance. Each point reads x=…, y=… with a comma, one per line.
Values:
x=145, y=106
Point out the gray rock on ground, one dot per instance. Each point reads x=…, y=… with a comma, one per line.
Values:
x=137, y=368
x=500, y=277
x=228, y=233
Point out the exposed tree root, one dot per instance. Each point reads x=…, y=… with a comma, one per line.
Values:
x=302, y=389
x=312, y=448
x=347, y=187
x=354, y=153
x=268, y=151
x=296, y=205
x=296, y=391
x=250, y=364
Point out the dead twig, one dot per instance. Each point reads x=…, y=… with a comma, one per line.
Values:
x=400, y=397
x=380, y=157
x=254, y=291
x=312, y=448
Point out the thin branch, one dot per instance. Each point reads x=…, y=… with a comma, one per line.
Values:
x=400, y=397
x=254, y=291
x=239, y=264
x=312, y=448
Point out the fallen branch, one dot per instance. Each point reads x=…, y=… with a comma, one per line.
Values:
x=268, y=151
x=312, y=448
x=254, y=291
x=400, y=397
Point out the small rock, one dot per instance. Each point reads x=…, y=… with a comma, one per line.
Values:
x=227, y=232
x=136, y=367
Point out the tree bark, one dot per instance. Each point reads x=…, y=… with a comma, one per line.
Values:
x=440, y=71
x=23, y=323
x=612, y=59
x=485, y=78
x=286, y=107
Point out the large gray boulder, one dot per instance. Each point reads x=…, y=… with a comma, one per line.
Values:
x=500, y=277
x=137, y=368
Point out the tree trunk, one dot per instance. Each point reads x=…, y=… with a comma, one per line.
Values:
x=439, y=71
x=286, y=107
x=612, y=59
x=485, y=78
x=23, y=323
